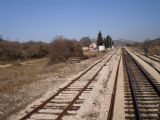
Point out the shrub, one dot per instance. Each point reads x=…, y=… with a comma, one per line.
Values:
x=61, y=49
x=85, y=41
x=10, y=50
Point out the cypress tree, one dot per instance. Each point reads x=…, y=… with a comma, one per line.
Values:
x=99, y=39
x=108, y=41
x=105, y=43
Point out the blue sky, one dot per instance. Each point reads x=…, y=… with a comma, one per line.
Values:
x=45, y=19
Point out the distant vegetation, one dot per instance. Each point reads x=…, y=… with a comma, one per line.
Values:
x=10, y=50
x=59, y=50
x=85, y=41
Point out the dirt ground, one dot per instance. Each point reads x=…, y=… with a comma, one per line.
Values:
x=23, y=84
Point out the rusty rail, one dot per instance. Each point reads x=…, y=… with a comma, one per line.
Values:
x=111, y=108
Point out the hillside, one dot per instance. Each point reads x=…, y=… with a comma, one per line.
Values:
x=155, y=41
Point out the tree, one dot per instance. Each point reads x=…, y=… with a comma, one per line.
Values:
x=61, y=49
x=106, y=42
x=85, y=41
x=110, y=41
x=113, y=43
x=99, y=39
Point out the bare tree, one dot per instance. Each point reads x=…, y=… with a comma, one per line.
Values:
x=146, y=46
x=85, y=41
x=61, y=49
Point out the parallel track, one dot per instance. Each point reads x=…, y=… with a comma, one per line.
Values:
x=156, y=56
x=158, y=70
x=142, y=92
x=153, y=57
x=69, y=98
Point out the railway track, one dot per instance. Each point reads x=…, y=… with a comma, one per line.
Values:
x=156, y=56
x=155, y=66
x=153, y=57
x=68, y=99
x=142, y=92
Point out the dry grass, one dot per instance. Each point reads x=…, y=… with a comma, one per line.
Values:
x=155, y=50
x=92, y=54
x=19, y=75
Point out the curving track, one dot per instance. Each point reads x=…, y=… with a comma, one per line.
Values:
x=69, y=98
x=142, y=92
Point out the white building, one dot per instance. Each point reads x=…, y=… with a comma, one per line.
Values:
x=93, y=45
x=101, y=48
